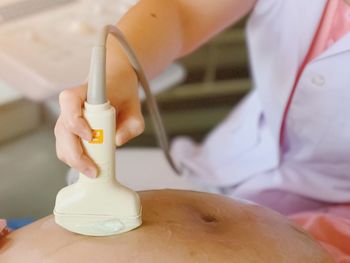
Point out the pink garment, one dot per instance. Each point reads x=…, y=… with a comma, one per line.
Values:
x=286, y=203
x=243, y=155
x=331, y=227
x=334, y=24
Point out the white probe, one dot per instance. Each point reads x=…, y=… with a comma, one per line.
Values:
x=102, y=206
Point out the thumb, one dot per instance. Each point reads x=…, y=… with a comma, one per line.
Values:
x=129, y=128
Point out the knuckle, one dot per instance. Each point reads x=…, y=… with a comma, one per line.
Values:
x=72, y=124
x=57, y=128
x=64, y=95
x=60, y=155
x=76, y=160
x=61, y=158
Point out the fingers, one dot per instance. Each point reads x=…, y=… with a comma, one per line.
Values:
x=130, y=123
x=70, y=151
x=125, y=98
x=69, y=127
x=71, y=103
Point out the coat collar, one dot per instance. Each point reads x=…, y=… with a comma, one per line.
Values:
x=341, y=46
x=314, y=7
x=307, y=19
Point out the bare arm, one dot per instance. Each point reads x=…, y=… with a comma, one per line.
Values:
x=163, y=30
x=159, y=32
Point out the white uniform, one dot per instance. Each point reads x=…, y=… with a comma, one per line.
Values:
x=244, y=152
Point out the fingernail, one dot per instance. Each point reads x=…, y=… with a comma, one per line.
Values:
x=138, y=130
x=135, y=127
x=119, y=140
x=90, y=173
x=86, y=136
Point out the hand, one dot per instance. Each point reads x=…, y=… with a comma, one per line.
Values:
x=71, y=127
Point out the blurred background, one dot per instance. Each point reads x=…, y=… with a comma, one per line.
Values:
x=37, y=60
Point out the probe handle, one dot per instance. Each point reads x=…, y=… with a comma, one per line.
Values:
x=101, y=149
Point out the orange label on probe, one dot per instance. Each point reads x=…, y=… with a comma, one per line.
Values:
x=97, y=137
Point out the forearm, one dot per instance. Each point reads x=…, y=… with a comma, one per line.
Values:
x=161, y=31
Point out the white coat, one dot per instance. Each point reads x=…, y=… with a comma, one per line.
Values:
x=244, y=152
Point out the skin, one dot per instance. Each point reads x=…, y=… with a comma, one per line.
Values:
x=159, y=32
x=178, y=226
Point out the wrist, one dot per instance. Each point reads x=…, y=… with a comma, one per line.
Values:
x=118, y=67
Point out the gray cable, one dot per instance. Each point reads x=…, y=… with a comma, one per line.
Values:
x=151, y=102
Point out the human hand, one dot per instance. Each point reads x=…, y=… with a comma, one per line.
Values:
x=71, y=127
